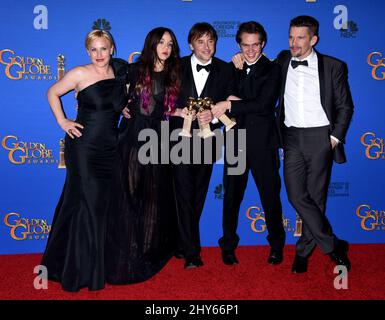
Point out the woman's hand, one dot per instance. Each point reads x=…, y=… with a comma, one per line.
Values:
x=183, y=113
x=178, y=112
x=71, y=128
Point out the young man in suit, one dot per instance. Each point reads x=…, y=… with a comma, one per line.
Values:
x=203, y=75
x=258, y=86
x=314, y=114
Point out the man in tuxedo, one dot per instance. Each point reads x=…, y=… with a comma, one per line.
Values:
x=203, y=75
x=314, y=114
x=257, y=84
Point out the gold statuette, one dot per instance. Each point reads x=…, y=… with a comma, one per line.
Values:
x=62, y=164
x=298, y=226
x=60, y=75
x=186, y=131
x=60, y=66
x=202, y=105
x=223, y=118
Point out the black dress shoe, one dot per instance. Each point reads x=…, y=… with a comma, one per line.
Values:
x=342, y=246
x=229, y=258
x=299, y=265
x=275, y=256
x=193, y=262
x=179, y=255
x=340, y=259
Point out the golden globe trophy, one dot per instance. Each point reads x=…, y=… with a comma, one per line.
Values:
x=202, y=105
x=298, y=226
x=62, y=163
x=223, y=118
x=186, y=131
x=60, y=75
x=60, y=66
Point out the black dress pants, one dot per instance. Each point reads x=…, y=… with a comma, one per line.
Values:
x=264, y=166
x=307, y=170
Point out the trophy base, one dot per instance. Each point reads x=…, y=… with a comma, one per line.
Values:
x=184, y=133
x=298, y=228
x=205, y=134
x=229, y=126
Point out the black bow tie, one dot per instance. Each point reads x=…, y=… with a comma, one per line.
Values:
x=206, y=67
x=296, y=63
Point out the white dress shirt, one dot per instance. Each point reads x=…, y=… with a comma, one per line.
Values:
x=200, y=77
x=302, y=97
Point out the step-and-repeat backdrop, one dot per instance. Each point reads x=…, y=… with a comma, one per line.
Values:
x=38, y=39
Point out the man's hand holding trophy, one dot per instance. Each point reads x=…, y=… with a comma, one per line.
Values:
x=203, y=104
x=222, y=118
x=199, y=106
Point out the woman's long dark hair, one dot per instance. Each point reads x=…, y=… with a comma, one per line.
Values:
x=147, y=61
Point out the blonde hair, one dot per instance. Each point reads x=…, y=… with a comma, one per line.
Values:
x=94, y=34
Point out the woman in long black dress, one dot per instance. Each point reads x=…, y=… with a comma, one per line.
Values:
x=142, y=223
x=74, y=254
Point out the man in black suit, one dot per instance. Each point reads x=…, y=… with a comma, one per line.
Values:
x=257, y=85
x=203, y=75
x=314, y=114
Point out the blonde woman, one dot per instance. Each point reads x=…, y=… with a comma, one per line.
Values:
x=74, y=255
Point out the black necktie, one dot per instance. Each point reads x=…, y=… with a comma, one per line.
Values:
x=200, y=67
x=296, y=63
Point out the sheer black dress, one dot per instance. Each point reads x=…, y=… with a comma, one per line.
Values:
x=142, y=220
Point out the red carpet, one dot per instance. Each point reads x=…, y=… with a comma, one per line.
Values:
x=252, y=279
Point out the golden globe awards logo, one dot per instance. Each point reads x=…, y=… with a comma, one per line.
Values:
x=226, y=29
x=27, y=68
x=374, y=146
x=257, y=217
x=371, y=219
x=25, y=228
x=338, y=189
x=258, y=221
x=376, y=61
x=20, y=152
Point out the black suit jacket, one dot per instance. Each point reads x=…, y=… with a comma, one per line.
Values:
x=259, y=92
x=219, y=85
x=336, y=98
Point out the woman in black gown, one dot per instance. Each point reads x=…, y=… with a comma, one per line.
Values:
x=142, y=222
x=74, y=254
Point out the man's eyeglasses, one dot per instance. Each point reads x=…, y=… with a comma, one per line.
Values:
x=254, y=46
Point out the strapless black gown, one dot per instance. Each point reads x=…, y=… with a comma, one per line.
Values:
x=142, y=223
x=74, y=254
